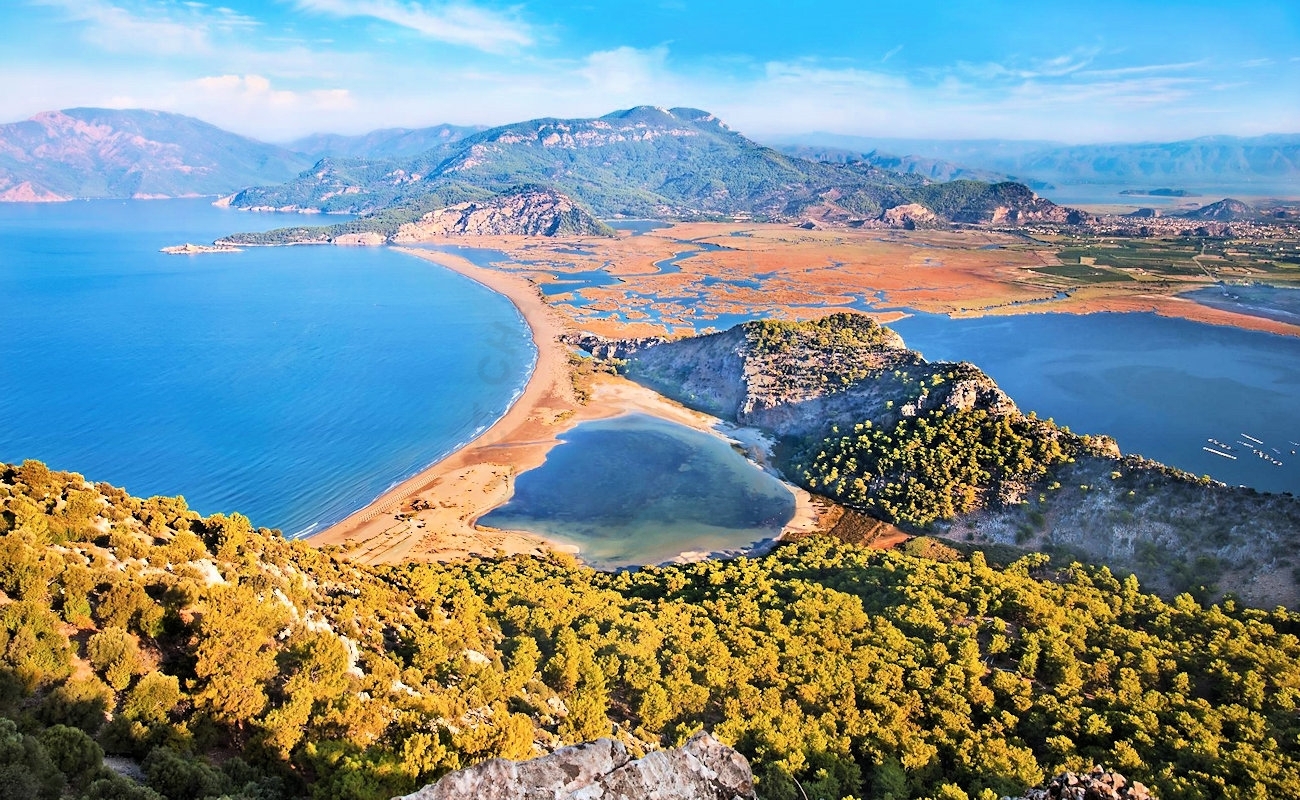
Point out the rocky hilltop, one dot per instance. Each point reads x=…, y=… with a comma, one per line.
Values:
x=1225, y=210
x=527, y=212
x=939, y=448
x=701, y=769
x=102, y=153
x=798, y=379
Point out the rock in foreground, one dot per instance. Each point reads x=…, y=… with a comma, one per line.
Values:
x=702, y=769
x=1096, y=785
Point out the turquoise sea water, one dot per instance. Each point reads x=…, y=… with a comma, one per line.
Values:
x=292, y=385
x=637, y=490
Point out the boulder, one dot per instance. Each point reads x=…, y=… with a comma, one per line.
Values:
x=702, y=769
x=1099, y=784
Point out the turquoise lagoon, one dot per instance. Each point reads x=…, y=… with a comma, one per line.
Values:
x=637, y=490
x=291, y=384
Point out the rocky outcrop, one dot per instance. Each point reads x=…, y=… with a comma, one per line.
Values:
x=796, y=379
x=702, y=769
x=531, y=212
x=608, y=349
x=1099, y=784
x=1225, y=210
x=909, y=216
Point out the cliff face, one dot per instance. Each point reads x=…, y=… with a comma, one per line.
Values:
x=702, y=769
x=539, y=212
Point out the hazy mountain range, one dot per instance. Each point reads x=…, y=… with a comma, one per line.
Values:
x=642, y=161
x=1205, y=162
x=383, y=143
x=92, y=153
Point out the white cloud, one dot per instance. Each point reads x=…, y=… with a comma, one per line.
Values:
x=116, y=29
x=625, y=71
x=454, y=23
x=254, y=99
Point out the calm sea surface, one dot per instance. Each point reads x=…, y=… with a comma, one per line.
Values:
x=292, y=385
x=1162, y=387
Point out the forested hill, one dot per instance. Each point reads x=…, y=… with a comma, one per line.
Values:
x=227, y=661
x=642, y=162
x=83, y=153
x=938, y=447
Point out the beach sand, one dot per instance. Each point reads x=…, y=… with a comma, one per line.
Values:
x=431, y=516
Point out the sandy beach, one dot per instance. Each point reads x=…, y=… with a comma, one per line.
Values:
x=431, y=516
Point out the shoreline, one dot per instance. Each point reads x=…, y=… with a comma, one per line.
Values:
x=432, y=515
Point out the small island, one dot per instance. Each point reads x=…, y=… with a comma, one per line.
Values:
x=1159, y=193
x=189, y=249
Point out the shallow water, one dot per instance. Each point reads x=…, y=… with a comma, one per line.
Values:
x=639, y=490
x=1257, y=300
x=290, y=384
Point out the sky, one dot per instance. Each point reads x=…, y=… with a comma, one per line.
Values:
x=1140, y=70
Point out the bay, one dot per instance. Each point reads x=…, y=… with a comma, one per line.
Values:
x=291, y=384
x=1162, y=387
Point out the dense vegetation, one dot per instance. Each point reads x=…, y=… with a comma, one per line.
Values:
x=230, y=661
x=938, y=464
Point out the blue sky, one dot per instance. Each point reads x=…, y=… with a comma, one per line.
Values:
x=1075, y=72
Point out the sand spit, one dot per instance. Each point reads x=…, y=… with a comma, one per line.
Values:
x=432, y=516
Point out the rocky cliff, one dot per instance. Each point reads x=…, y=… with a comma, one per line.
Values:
x=702, y=769
x=798, y=379
x=529, y=212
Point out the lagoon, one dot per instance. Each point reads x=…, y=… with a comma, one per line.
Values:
x=1162, y=387
x=637, y=490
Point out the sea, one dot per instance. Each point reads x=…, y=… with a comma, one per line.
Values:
x=296, y=384
x=290, y=384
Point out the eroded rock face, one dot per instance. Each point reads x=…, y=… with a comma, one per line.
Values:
x=909, y=216
x=702, y=769
x=522, y=213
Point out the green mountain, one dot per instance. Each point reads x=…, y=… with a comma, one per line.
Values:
x=642, y=162
x=639, y=162
x=103, y=153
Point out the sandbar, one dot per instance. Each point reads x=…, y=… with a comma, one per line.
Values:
x=433, y=515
